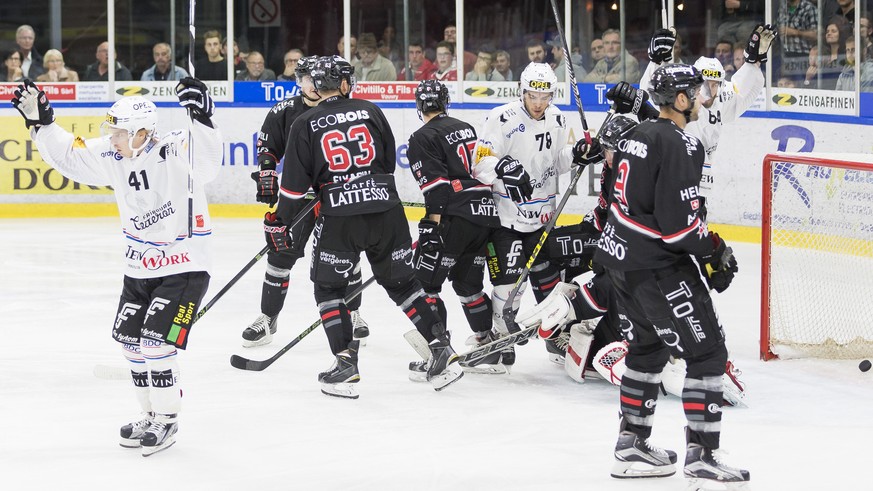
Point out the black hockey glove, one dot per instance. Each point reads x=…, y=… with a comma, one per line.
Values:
x=429, y=239
x=194, y=96
x=627, y=98
x=277, y=233
x=759, y=43
x=267, y=180
x=515, y=179
x=33, y=105
x=584, y=154
x=721, y=265
x=661, y=45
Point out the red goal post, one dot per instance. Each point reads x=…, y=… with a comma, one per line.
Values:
x=817, y=256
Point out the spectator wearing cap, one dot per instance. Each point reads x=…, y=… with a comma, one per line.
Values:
x=609, y=69
x=561, y=63
x=372, y=67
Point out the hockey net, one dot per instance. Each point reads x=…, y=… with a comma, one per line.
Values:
x=817, y=256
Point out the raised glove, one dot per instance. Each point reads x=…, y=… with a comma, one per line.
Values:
x=267, y=180
x=627, y=98
x=661, y=45
x=429, y=239
x=759, y=43
x=194, y=96
x=585, y=154
x=33, y=105
x=515, y=179
x=720, y=265
x=276, y=232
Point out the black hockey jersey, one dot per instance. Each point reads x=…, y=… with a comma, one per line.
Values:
x=273, y=137
x=654, y=209
x=440, y=154
x=343, y=149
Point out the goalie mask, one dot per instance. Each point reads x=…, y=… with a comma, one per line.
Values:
x=431, y=96
x=132, y=114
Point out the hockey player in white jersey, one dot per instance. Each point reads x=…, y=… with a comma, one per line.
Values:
x=166, y=263
x=721, y=101
x=521, y=151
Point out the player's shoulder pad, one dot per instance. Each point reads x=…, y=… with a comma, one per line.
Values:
x=283, y=104
x=504, y=114
x=554, y=115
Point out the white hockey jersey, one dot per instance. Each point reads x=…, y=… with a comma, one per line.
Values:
x=735, y=96
x=151, y=191
x=540, y=146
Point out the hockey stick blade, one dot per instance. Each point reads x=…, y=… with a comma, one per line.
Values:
x=237, y=361
x=471, y=357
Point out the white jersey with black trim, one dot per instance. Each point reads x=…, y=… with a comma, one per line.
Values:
x=151, y=191
x=735, y=96
x=540, y=146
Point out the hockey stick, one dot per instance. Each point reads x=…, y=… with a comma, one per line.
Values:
x=573, y=85
x=664, y=14
x=191, y=4
x=237, y=361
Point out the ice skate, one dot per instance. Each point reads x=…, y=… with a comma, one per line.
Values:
x=338, y=380
x=418, y=370
x=557, y=347
x=131, y=433
x=257, y=333
x=443, y=368
x=635, y=457
x=479, y=338
x=706, y=472
x=361, y=330
x=160, y=435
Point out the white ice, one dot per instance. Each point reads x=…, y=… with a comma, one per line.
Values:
x=808, y=426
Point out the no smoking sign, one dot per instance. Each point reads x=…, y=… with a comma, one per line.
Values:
x=264, y=13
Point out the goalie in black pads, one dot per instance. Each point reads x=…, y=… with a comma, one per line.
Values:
x=460, y=214
x=272, y=141
x=344, y=150
x=166, y=268
x=652, y=233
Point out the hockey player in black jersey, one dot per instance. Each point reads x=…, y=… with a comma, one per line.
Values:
x=344, y=150
x=460, y=212
x=272, y=140
x=648, y=247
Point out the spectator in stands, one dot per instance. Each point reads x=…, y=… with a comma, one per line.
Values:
x=597, y=53
x=737, y=18
x=832, y=58
x=483, y=70
x=797, y=21
x=255, y=70
x=739, y=55
x=846, y=80
x=845, y=9
x=609, y=69
x=290, y=60
x=866, y=33
x=677, y=49
x=239, y=65
x=55, y=70
x=503, y=65
x=867, y=70
x=724, y=51
x=786, y=82
x=390, y=49
x=163, y=69
x=31, y=61
x=418, y=67
x=450, y=34
x=372, y=67
x=99, y=71
x=561, y=63
x=353, y=47
x=811, y=80
x=11, y=69
x=445, y=54
x=214, y=67
x=536, y=51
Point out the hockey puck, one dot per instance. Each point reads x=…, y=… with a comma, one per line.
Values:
x=865, y=365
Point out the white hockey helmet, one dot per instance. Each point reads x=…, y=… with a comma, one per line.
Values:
x=710, y=68
x=133, y=114
x=538, y=77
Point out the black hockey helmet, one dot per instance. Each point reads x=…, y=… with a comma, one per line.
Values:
x=431, y=96
x=615, y=130
x=669, y=80
x=329, y=72
x=304, y=66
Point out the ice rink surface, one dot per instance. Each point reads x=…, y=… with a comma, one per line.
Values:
x=808, y=426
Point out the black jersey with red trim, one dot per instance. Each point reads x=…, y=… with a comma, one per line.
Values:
x=343, y=149
x=596, y=218
x=654, y=209
x=273, y=137
x=440, y=154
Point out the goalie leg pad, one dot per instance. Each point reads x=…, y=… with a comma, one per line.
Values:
x=576, y=360
x=552, y=313
x=163, y=365
x=610, y=362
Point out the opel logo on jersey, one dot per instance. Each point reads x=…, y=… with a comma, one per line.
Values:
x=784, y=99
x=132, y=90
x=479, y=91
